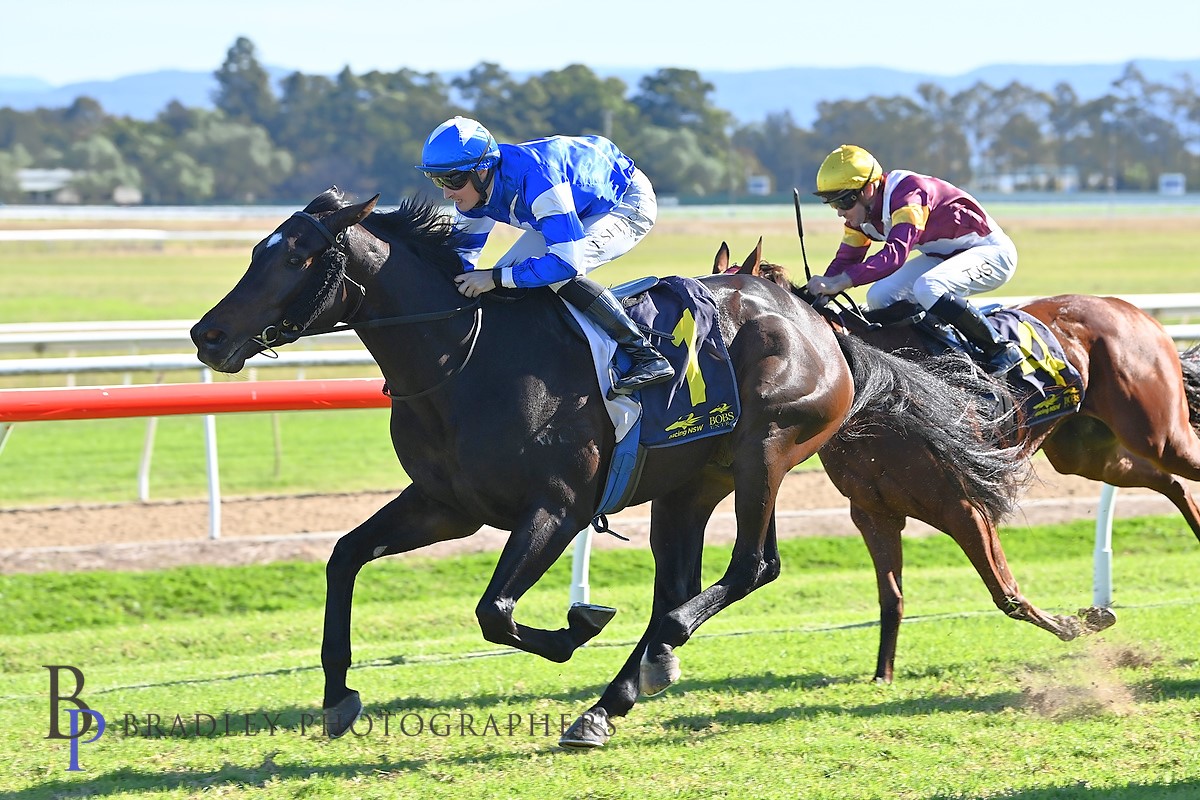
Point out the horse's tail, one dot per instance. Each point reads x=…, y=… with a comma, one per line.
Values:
x=960, y=414
x=1190, y=361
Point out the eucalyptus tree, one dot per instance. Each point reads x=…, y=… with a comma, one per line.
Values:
x=244, y=90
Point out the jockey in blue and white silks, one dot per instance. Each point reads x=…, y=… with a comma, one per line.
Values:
x=550, y=186
x=581, y=202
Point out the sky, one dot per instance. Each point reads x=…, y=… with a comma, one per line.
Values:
x=69, y=41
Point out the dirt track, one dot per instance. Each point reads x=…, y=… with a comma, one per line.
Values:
x=260, y=530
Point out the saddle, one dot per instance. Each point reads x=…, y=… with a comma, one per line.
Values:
x=680, y=316
x=1046, y=383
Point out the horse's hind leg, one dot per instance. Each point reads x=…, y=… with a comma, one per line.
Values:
x=410, y=521
x=753, y=563
x=677, y=528
x=1090, y=448
x=1136, y=429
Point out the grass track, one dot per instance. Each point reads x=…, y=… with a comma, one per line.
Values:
x=774, y=701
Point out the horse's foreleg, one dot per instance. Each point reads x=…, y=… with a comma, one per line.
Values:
x=979, y=541
x=533, y=547
x=881, y=534
x=410, y=521
x=677, y=525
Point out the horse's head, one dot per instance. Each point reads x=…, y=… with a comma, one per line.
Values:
x=753, y=265
x=748, y=267
x=296, y=275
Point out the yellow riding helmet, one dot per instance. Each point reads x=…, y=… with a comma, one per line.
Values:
x=847, y=169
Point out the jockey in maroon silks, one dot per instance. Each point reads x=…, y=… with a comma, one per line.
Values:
x=961, y=251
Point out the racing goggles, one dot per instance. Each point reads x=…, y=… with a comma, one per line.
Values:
x=843, y=200
x=449, y=180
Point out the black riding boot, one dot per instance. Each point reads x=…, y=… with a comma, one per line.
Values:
x=598, y=303
x=1001, y=354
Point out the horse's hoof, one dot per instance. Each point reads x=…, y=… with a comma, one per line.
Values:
x=588, y=620
x=1097, y=618
x=589, y=731
x=340, y=717
x=659, y=672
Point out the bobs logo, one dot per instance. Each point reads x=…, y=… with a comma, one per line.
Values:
x=721, y=416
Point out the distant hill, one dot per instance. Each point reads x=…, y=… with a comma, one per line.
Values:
x=749, y=95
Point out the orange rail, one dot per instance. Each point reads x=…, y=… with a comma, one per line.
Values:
x=160, y=400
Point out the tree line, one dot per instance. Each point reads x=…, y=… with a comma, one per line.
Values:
x=364, y=133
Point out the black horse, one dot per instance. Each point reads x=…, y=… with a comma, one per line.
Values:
x=498, y=420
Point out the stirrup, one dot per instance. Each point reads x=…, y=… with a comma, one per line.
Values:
x=1000, y=364
x=650, y=373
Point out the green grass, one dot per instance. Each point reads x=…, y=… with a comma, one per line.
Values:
x=97, y=460
x=774, y=702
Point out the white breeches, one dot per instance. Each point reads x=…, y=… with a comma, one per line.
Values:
x=606, y=237
x=925, y=278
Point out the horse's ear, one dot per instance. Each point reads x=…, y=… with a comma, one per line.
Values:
x=721, y=262
x=753, y=263
x=350, y=216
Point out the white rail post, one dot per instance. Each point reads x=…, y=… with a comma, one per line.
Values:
x=143, y=479
x=1102, y=557
x=5, y=430
x=214, y=475
x=148, y=451
x=580, y=590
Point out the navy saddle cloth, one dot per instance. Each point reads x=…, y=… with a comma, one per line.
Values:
x=1045, y=383
x=1048, y=384
x=680, y=317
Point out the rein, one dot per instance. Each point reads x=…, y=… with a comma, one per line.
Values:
x=286, y=332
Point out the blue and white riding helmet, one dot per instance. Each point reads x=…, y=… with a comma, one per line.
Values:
x=458, y=145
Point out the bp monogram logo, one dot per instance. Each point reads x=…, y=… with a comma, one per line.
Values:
x=81, y=710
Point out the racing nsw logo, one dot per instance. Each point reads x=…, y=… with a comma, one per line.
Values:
x=81, y=709
x=1058, y=399
x=686, y=425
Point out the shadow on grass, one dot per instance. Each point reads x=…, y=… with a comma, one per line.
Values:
x=1184, y=790
x=767, y=681
x=1169, y=689
x=127, y=779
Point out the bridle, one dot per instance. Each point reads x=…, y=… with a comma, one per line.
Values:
x=286, y=331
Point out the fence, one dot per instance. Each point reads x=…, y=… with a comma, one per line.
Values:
x=208, y=398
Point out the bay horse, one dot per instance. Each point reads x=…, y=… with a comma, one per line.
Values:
x=1137, y=427
x=498, y=420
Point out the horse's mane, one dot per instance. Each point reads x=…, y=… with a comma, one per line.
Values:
x=420, y=224
x=776, y=273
